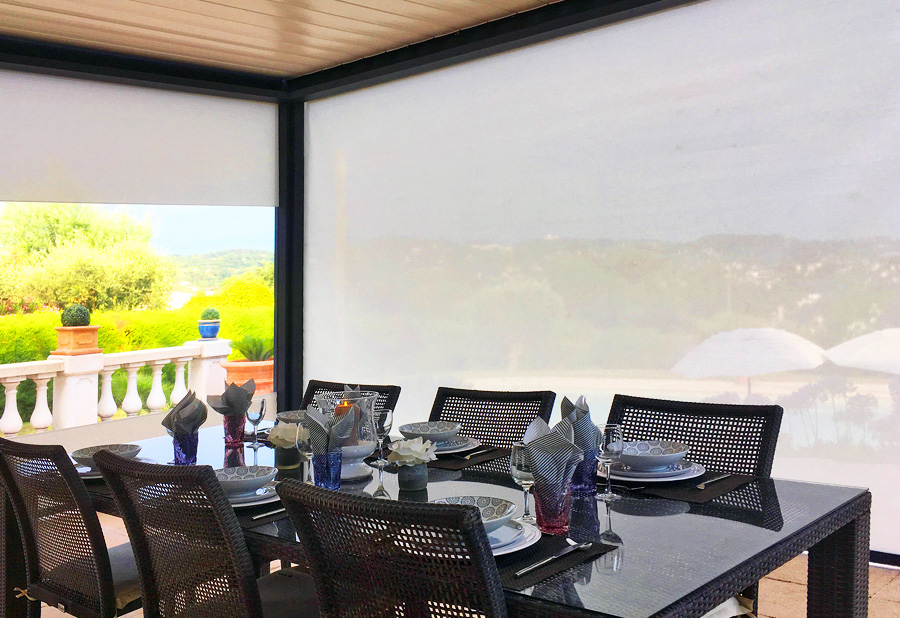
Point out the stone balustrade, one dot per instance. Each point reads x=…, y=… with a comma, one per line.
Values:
x=76, y=380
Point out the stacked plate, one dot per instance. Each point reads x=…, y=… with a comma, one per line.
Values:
x=512, y=537
x=680, y=471
x=248, y=485
x=459, y=444
x=84, y=457
x=655, y=461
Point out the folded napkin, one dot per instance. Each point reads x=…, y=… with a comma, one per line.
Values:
x=552, y=454
x=328, y=432
x=578, y=415
x=235, y=401
x=186, y=416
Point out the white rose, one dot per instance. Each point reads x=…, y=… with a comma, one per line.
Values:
x=285, y=434
x=412, y=452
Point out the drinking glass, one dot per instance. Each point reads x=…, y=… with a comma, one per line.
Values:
x=185, y=446
x=520, y=470
x=608, y=452
x=255, y=418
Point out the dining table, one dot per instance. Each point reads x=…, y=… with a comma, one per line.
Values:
x=669, y=559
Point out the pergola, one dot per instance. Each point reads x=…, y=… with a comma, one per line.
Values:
x=287, y=52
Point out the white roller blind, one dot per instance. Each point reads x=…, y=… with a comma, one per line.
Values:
x=66, y=140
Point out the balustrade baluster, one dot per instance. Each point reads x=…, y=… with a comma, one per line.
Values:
x=132, y=403
x=180, y=388
x=41, y=418
x=157, y=398
x=11, y=422
x=106, y=407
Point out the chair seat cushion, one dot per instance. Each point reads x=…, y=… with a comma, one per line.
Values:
x=288, y=593
x=126, y=580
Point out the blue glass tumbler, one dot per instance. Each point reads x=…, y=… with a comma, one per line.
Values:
x=185, y=448
x=327, y=470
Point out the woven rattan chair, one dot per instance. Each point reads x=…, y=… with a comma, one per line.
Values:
x=728, y=438
x=496, y=418
x=192, y=557
x=67, y=562
x=375, y=558
x=732, y=438
x=386, y=400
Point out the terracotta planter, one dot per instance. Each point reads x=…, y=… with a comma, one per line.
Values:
x=262, y=372
x=76, y=340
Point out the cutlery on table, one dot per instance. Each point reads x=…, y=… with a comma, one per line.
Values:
x=630, y=487
x=557, y=555
x=275, y=512
x=714, y=479
x=473, y=454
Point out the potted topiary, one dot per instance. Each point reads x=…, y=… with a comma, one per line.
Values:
x=76, y=336
x=258, y=365
x=208, y=324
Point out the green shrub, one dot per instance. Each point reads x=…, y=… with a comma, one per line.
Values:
x=75, y=315
x=210, y=314
x=254, y=348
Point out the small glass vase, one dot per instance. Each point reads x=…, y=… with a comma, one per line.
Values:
x=233, y=426
x=234, y=456
x=584, y=480
x=288, y=462
x=327, y=470
x=185, y=446
x=412, y=478
x=553, y=507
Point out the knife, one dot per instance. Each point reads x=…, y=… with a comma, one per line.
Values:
x=275, y=512
x=703, y=485
x=559, y=554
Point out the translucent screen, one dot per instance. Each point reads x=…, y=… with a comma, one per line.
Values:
x=583, y=215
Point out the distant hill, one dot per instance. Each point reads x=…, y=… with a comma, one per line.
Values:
x=208, y=270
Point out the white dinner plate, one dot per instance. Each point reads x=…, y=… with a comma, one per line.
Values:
x=263, y=495
x=694, y=471
x=506, y=534
x=458, y=446
x=674, y=470
x=93, y=473
x=530, y=536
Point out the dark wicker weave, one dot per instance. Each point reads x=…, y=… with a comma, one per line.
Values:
x=728, y=438
x=191, y=553
x=380, y=558
x=66, y=560
x=496, y=418
x=387, y=395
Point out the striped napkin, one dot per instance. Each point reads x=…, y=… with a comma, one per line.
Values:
x=328, y=432
x=552, y=454
x=578, y=415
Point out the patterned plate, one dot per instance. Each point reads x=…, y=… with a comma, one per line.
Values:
x=459, y=445
x=653, y=454
x=84, y=456
x=495, y=512
x=263, y=495
x=504, y=535
x=530, y=536
x=673, y=470
x=694, y=471
x=436, y=431
x=88, y=474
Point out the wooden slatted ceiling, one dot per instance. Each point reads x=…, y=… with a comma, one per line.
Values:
x=284, y=38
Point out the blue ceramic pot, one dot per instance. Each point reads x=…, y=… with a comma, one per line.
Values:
x=412, y=478
x=209, y=329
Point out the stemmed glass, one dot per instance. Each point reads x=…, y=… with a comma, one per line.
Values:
x=306, y=450
x=609, y=450
x=255, y=418
x=383, y=424
x=520, y=470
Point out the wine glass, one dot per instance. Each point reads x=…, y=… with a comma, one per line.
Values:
x=305, y=449
x=255, y=417
x=609, y=450
x=520, y=470
x=383, y=424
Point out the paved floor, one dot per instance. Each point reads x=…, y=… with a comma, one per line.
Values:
x=782, y=594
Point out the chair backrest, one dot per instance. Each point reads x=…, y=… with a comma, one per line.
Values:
x=386, y=400
x=191, y=553
x=496, y=418
x=729, y=438
x=374, y=558
x=65, y=553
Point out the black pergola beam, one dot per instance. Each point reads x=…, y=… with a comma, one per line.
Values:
x=526, y=28
x=28, y=55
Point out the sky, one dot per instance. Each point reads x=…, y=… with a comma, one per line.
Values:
x=188, y=230
x=672, y=127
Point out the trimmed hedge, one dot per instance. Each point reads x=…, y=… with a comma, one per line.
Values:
x=32, y=337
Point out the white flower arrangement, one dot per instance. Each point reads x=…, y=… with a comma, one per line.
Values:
x=285, y=434
x=412, y=452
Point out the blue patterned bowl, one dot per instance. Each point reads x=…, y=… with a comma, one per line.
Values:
x=652, y=455
x=495, y=512
x=244, y=480
x=85, y=456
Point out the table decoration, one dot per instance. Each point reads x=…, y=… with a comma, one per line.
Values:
x=233, y=405
x=585, y=437
x=411, y=457
x=288, y=458
x=363, y=436
x=183, y=422
x=327, y=434
x=553, y=457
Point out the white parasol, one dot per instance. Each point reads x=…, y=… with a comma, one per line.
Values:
x=749, y=352
x=877, y=351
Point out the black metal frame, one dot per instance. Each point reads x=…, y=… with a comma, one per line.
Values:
x=527, y=28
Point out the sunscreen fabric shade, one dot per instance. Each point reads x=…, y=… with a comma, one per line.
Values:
x=67, y=140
